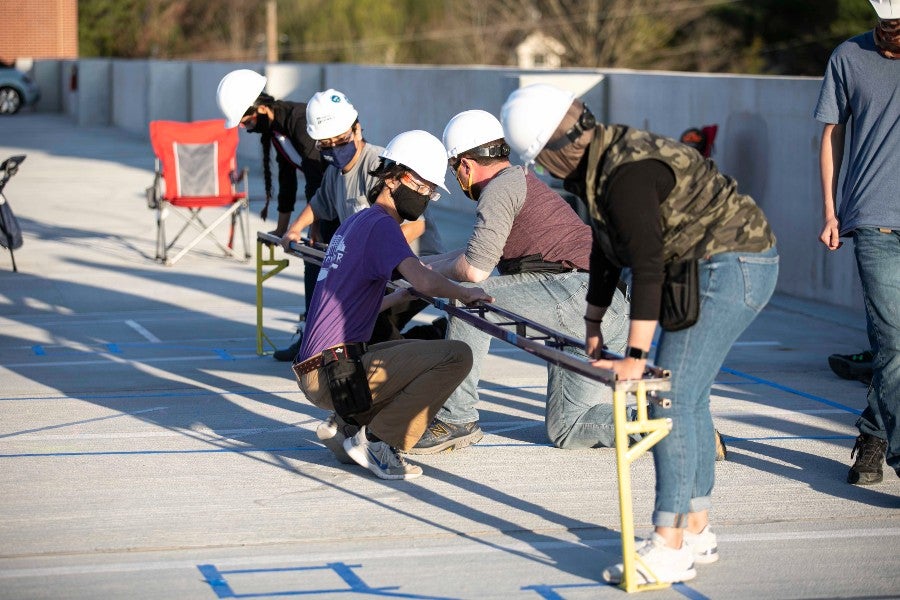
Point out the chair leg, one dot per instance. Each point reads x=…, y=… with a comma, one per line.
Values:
x=204, y=233
x=245, y=227
x=160, y=232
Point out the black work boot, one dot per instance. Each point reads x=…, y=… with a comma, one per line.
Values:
x=852, y=366
x=869, y=451
x=444, y=437
x=289, y=353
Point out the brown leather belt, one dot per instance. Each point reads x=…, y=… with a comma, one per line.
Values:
x=318, y=361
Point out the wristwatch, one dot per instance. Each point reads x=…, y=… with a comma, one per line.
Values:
x=632, y=352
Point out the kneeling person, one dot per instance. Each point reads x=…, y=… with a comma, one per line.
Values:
x=541, y=249
x=386, y=394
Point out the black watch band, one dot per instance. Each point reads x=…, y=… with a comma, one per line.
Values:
x=632, y=352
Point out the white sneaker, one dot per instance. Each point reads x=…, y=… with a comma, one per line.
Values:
x=379, y=458
x=703, y=545
x=332, y=432
x=656, y=562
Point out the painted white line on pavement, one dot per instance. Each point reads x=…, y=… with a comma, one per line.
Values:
x=141, y=330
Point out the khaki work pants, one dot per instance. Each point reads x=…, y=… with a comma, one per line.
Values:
x=409, y=380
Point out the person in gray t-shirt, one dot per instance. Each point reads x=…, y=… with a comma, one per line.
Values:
x=861, y=94
x=334, y=123
x=541, y=249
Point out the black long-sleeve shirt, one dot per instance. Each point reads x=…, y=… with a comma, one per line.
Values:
x=290, y=120
x=631, y=209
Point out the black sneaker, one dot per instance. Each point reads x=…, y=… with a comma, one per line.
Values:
x=852, y=366
x=290, y=353
x=869, y=452
x=444, y=437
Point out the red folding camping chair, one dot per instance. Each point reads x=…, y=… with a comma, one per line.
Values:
x=196, y=170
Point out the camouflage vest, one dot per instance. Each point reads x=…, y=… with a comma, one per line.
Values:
x=703, y=215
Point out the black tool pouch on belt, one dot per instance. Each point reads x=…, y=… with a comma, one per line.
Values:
x=347, y=382
x=533, y=263
x=680, y=296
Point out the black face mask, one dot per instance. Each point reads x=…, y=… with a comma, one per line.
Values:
x=261, y=124
x=410, y=203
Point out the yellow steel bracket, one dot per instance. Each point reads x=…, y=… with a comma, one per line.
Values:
x=261, y=262
x=655, y=430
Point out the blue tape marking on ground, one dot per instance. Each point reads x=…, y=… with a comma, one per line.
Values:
x=688, y=592
x=114, y=348
x=785, y=388
x=38, y=350
x=215, y=580
x=223, y=354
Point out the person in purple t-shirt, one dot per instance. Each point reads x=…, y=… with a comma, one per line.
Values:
x=383, y=395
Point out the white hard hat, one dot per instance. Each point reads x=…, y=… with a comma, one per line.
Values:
x=421, y=152
x=329, y=114
x=530, y=115
x=470, y=129
x=887, y=9
x=238, y=91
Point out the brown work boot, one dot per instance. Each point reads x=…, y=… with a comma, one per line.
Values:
x=869, y=451
x=721, y=450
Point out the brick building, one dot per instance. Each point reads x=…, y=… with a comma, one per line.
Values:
x=38, y=29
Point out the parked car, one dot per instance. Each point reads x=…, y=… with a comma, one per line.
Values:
x=16, y=90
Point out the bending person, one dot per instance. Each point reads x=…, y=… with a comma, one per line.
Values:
x=282, y=124
x=655, y=201
x=386, y=394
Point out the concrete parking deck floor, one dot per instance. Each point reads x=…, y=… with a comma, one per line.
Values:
x=147, y=452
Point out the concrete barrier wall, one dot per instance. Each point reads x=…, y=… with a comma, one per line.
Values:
x=767, y=138
x=168, y=92
x=769, y=142
x=131, y=95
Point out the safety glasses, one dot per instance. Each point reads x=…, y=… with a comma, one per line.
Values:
x=420, y=187
x=335, y=141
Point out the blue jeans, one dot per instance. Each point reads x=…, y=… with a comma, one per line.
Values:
x=734, y=288
x=579, y=410
x=878, y=261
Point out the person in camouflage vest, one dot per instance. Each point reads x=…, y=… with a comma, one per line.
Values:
x=654, y=201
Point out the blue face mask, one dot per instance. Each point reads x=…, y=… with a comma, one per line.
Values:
x=339, y=156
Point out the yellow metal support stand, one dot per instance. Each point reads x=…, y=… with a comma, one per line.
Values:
x=261, y=262
x=655, y=430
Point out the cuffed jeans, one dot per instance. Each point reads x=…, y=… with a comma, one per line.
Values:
x=878, y=261
x=579, y=410
x=409, y=380
x=734, y=288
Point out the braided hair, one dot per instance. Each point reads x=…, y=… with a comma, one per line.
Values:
x=266, y=140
